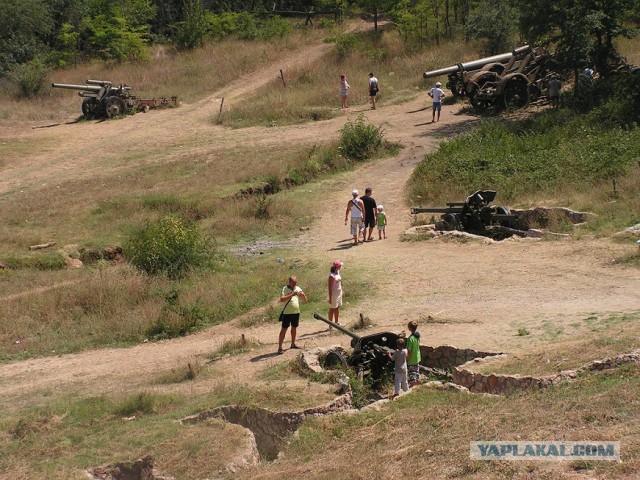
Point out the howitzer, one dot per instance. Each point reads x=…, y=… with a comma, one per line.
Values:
x=103, y=99
x=457, y=74
x=474, y=215
x=369, y=354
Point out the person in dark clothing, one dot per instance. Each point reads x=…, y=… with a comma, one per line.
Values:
x=370, y=215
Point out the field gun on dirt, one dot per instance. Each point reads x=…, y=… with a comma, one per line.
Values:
x=509, y=80
x=456, y=74
x=103, y=99
x=369, y=356
x=475, y=215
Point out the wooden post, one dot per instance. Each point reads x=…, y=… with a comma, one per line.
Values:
x=220, y=111
x=282, y=78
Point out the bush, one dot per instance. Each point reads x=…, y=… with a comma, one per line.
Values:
x=359, y=140
x=31, y=77
x=345, y=44
x=171, y=245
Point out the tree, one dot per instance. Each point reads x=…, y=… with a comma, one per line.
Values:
x=495, y=24
x=587, y=25
x=23, y=26
x=376, y=7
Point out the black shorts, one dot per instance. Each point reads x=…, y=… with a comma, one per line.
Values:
x=370, y=222
x=290, y=319
x=373, y=93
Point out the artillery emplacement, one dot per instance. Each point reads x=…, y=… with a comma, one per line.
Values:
x=103, y=99
x=369, y=356
x=475, y=215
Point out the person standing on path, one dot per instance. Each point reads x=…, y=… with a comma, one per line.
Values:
x=373, y=90
x=334, y=284
x=382, y=223
x=291, y=293
x=413, y=354
x=344, y=90
x=355, y=207
x=437, y=94
x=399, y=358
x=370, y=214
x=553, y=86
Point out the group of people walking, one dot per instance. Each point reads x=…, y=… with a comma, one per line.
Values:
x=373, y=90
x=365, y=215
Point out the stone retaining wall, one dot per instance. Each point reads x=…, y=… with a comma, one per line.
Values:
x=496, y=383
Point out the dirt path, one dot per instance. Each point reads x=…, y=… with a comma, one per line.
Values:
x=479, y=294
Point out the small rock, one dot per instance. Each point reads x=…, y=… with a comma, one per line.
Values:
x=279, y=260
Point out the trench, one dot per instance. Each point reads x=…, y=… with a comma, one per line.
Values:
x=271, y=430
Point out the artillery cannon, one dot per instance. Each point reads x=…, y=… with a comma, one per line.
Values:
x=475, y=215
x=369, y=356
x=103, y=99
x=510, y=80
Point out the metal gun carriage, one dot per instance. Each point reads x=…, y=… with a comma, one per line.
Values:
x=103, y=99
x=509, y=80
x=369, y=355
x=475, y=215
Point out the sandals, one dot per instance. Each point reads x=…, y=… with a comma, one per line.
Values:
x=280, y=351
x=295, y=347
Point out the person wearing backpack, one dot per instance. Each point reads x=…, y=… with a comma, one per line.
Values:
x=290, y=316
x=373, y=90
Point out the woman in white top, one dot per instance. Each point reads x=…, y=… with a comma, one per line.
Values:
x=334, y=285
x=344, y=89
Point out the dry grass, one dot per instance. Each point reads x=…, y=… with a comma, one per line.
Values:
x=189, y=75
x=431, y=431
x=312, y=91
x=556, y=346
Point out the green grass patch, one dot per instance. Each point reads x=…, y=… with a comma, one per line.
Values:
x=36, y=261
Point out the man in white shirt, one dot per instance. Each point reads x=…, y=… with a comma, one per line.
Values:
x=437, y=94
x=373, y=89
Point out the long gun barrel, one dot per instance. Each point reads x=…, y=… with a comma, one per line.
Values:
x=86, y=88
x=337, y=326
x=476, y=64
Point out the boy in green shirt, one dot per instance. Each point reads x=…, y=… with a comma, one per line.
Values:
x=413, y=356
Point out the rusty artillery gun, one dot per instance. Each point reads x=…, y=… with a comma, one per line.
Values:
x=369, y=355
x=475, y=215
x=103, y=99
x=509, y=80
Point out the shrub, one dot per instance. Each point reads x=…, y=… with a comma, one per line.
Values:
x=31, y=77
x=359, y=140
x=170, y=245
x=345, y=44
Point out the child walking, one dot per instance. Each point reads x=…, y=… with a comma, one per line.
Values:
x=344, y=89
x=399, y=358
x=382, y=222
x=413, y=354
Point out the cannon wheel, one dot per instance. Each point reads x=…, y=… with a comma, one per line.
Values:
x=458, y=88
x=505, y=211
x=334, y=359
x=516, y=94
x=91, y=107
x=114, y=106
x=451, y=222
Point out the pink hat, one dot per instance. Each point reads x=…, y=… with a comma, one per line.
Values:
x=337, y=263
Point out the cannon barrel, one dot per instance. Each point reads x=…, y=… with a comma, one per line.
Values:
x=86, y=88
x=442, y=210
x=337, y=326
x=476, y=64
x=102, y=83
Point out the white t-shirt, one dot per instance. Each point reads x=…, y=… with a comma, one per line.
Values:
x=373, y=83
x=437, y=94
x=356, y=211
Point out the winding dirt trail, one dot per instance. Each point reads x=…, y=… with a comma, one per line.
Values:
x=479, y=294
